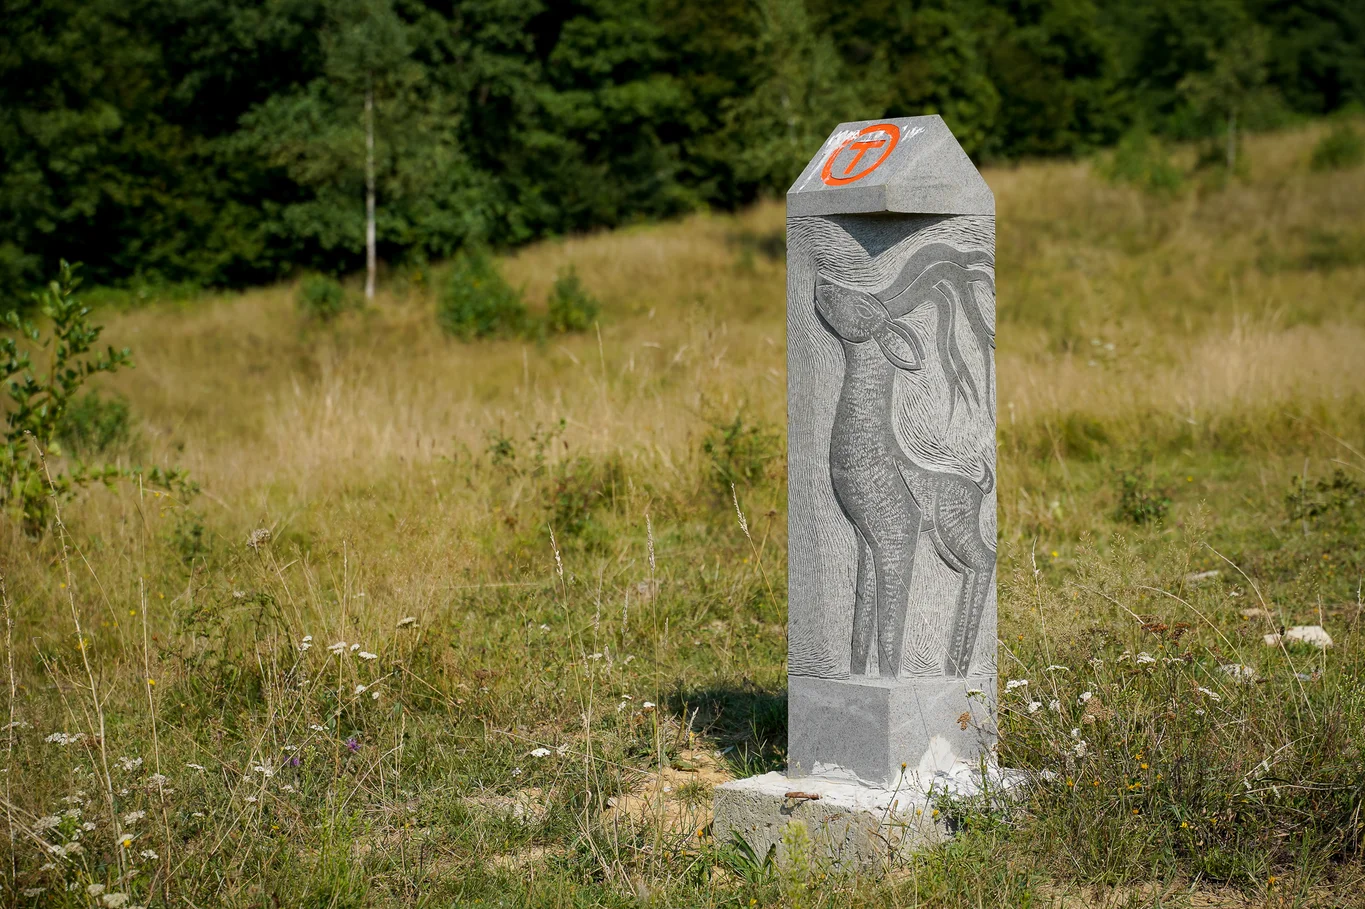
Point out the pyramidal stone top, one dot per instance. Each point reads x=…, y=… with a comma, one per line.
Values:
x=911, y=165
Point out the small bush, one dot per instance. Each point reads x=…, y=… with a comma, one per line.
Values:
x=1140, y=160
x=477, y=302
x=570, y=307
x=1140, y=501
x=1340, y=149
x=322, y=298
x=740, y=454
x=94, y=424
x=30, y=488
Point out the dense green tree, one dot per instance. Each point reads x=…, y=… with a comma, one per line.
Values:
x=225, y=142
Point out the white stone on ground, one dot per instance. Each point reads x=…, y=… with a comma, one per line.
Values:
x=1301, y=634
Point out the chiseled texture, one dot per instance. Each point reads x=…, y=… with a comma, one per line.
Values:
x=891, y=422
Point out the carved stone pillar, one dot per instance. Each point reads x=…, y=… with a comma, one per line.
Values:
x=891, y=422
x=891, y=476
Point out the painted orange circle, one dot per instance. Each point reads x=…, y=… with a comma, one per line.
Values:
x=887, y=144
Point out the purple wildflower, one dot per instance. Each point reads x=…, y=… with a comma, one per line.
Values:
x=353, y=743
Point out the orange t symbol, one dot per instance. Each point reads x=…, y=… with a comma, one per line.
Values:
x=862, y=148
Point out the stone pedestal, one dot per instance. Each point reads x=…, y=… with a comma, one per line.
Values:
x=874, y=730
x=891, y=484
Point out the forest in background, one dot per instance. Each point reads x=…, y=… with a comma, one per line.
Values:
x=212, y=143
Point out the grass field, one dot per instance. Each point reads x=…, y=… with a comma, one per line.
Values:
x=478, y=624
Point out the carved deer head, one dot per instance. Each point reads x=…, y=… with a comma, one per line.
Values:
x=857, y=317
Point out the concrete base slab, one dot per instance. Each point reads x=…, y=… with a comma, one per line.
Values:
x=847, y=825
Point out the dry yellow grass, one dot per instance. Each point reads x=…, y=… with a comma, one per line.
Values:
x=1112, y=305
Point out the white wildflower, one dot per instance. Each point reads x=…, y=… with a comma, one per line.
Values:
x=157, y=780
x=1057, y=667
x=316, y=728
x=251, y=800
x=264, y=769
x=544, y=627
x=337, y=648
x=354, y=648
x=1016, y=683
x=1085, y=696
x=647, y=705
x=366, y=655
x=1081, y=748
x=361, y=689
x=88, y=826
x=199, y=767
x=595, y=656
x=305, y=643
x=258, y=537
x=1075, y=733
x=46, y=823
x=1145, y=657
x=1034, y=706
x=65, y=738
x=407, y=620
x=374, y=695
x=1211, y=695
x=1054, y=705
x=516, y=771
x=132, y=817
x=149, y=855
x=541, y=753
x=95, y=889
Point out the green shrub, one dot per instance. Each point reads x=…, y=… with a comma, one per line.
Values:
x=94, y=424
x=477, y=302
x=322, y=298
x=30, y=486
x=1140, y=500
x=741, y=454
x=1340, y=149
x=571, y=307
x=1140, y=160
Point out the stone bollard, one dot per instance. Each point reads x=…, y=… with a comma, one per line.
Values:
x=891, y=490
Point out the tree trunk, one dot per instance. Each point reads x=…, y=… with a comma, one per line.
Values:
x=1232, y=140
x=370, y=264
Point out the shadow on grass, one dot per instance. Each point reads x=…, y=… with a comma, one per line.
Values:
x=747, y=722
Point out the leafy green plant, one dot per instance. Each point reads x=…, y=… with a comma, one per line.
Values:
x=30, y=486
x=477, y=301
x=739, y=453
x=742, y=859
x=1335, y=499
x=1343, y=147
x=1140, y=160
x=322, y=298
x=1140, y=501
x=571, y=307
x=94, y=424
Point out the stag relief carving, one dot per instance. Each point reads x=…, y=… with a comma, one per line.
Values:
x=891, y=500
